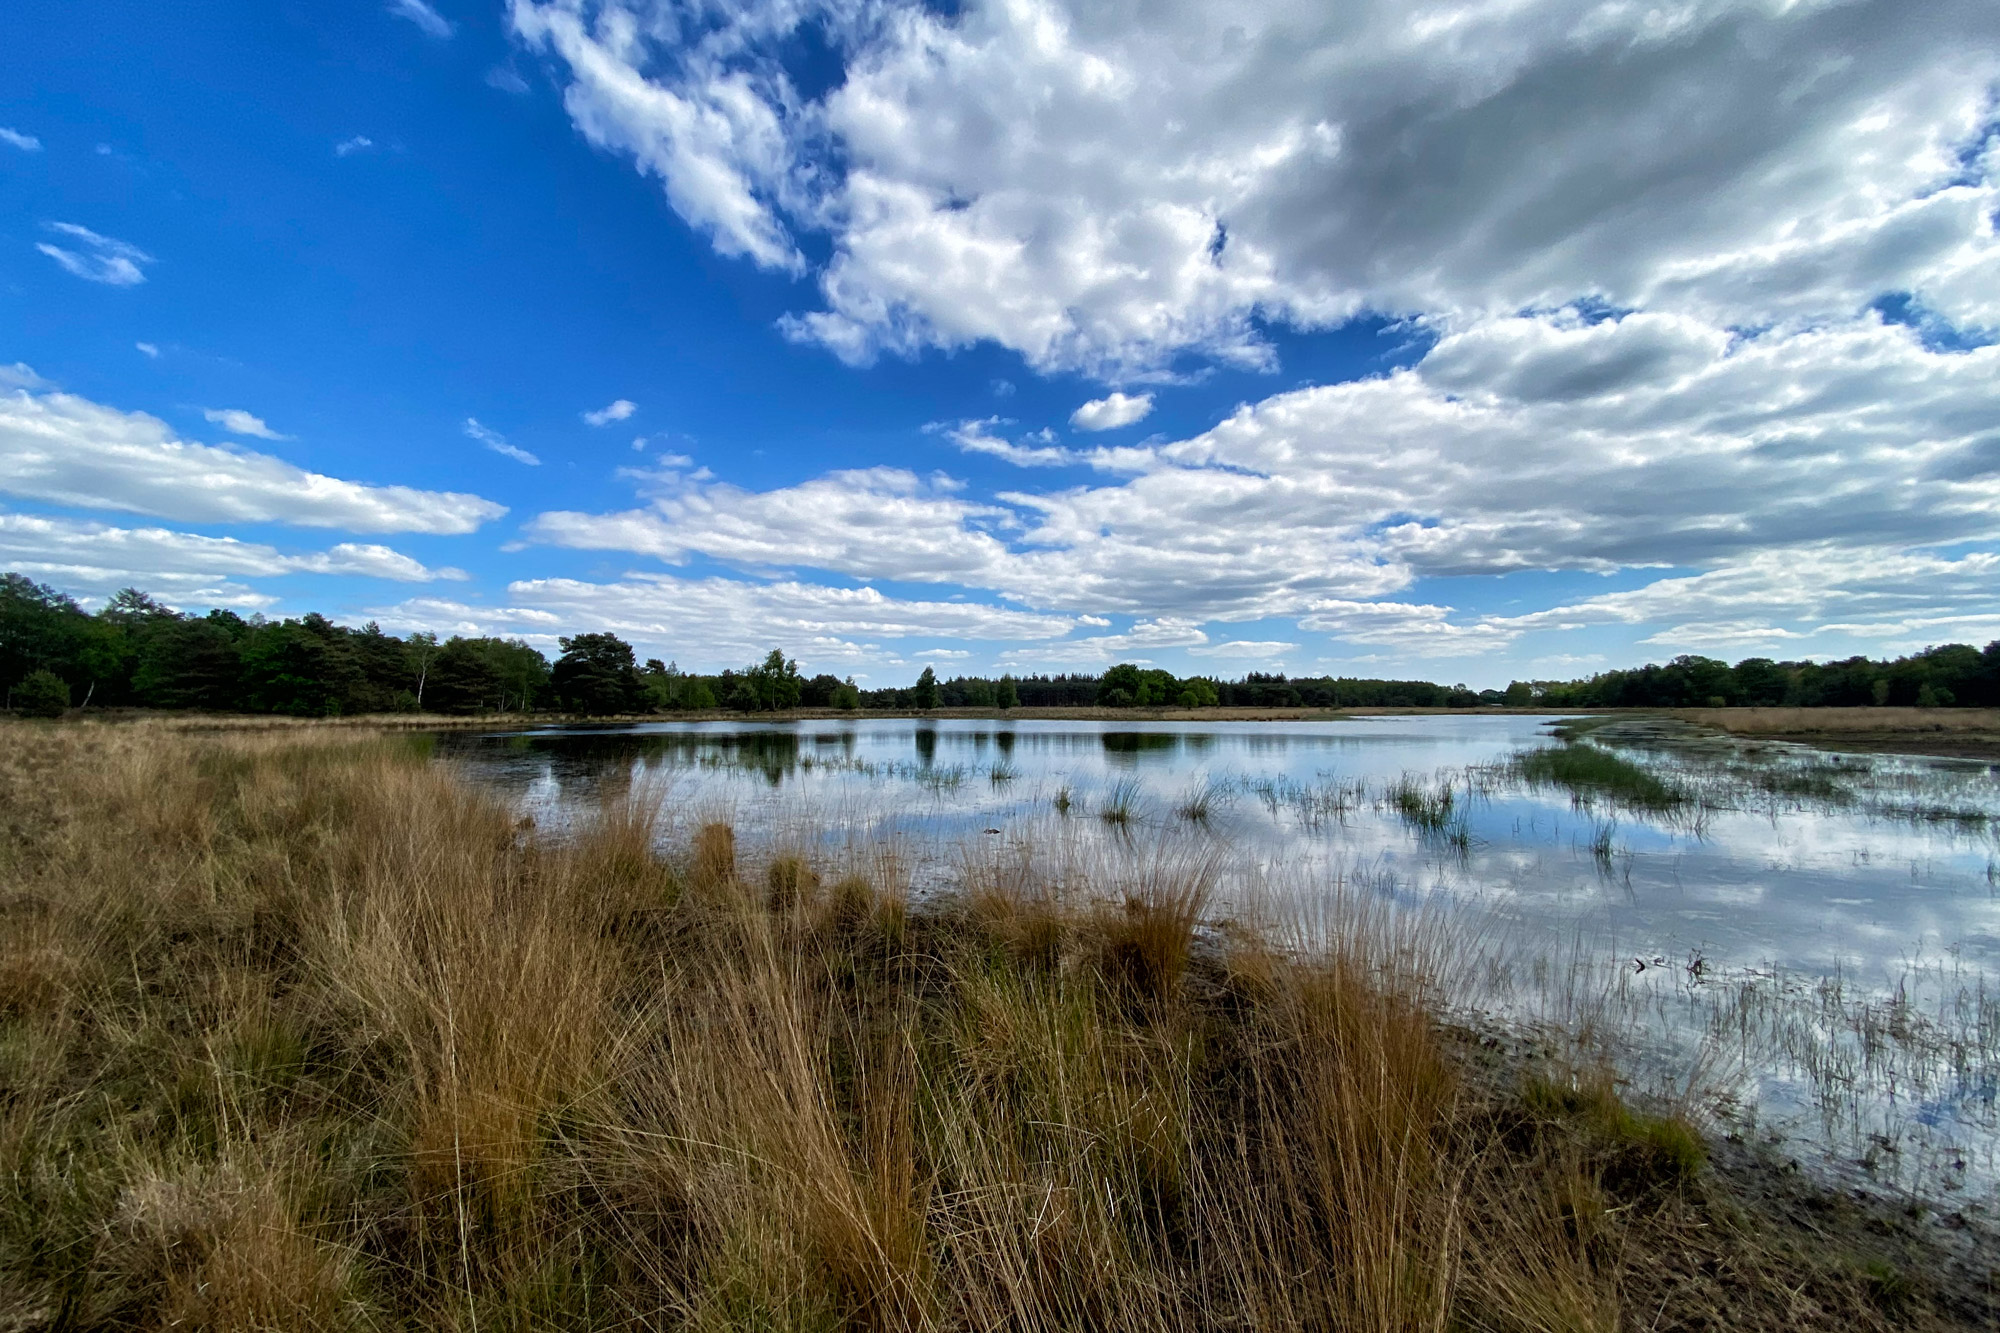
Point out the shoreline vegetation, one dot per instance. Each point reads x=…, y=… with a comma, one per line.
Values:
x=1958, y=733
x=136, y=651
x=300, y=1030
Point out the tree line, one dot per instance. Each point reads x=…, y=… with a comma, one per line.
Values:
x=138, y=652
x=1954, y=674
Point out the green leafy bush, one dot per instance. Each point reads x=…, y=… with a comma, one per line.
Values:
x=42, y=694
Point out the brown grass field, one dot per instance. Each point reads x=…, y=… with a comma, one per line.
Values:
x=1972, y=733
x=298, y=1030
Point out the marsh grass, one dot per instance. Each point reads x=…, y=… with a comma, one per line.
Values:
x=1121, y=803
x=1590, y=772
x=297, y=1031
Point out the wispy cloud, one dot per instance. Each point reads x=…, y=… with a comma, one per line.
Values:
x=349, y=147
x=97, y=258
x=617, y=411
x=497, y=442
x=506, y=79
x=149, y=349
x=238, y=422
x=27, y=143
x=1112, y=411
x=433, y=23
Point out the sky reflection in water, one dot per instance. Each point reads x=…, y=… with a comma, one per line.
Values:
x=1806, y=915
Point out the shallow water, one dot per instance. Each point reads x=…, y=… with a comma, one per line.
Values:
x=1816, y=934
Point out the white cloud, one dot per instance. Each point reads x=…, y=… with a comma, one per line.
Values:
x=717, y=142
x=1787, y=600
x=497, y=442
x=238, y=422
x=874, y=523
x=349, y=147
x=1546, y=442
x=27, y=143
x=1417, y=629
x=617, y=411
x=1111, y=412
x=1105, y=188
x=977, y=437
x=1039, y=448
x=149, y=349
x=506, y=80
x=21, y=376
x=67, y=450
x=1103, y=649
x=428, y=19
x=1647, y=349
x=93, y=559
x=1259, y=650
x=715, y=622
x=99, y=259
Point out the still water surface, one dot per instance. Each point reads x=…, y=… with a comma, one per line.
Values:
x=1817, y=935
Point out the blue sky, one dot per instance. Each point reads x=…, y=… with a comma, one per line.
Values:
x=1467, y=342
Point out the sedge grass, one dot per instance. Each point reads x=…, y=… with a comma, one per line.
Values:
x=297, y=1031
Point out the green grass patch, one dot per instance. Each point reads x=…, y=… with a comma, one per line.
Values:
x=1587, y=771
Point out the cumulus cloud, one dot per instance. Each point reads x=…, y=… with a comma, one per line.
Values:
x=1642, y=349
x=1534, y=442
x=1895, y=599
x=92, y=559
x=715, y=136
x=716, y=622
x=497, y=442
x=1111, y=412
x=1104, y=188
x=68, y=450
x=96, y=258
x=872, y=523
x=27, y=143
x=238, y=422
x=432, y=23
x=617, y=411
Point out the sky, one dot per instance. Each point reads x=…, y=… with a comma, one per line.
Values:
x=1469, y=341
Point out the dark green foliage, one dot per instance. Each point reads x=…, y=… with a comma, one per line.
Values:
x=1955, y=674
x=818, y=692
x=773, y=683
x=138, y=651
x=1128, y=686
x=42, y=694
x=596, y=674
x=486, y=676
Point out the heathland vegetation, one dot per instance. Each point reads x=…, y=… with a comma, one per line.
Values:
x=298, y=1030
x=138, y=652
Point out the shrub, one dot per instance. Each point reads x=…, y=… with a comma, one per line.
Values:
x=42, y=694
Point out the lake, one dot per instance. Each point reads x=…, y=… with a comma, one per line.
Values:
x=1813, y=934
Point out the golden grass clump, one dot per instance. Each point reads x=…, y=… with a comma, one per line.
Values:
x=300, y=1031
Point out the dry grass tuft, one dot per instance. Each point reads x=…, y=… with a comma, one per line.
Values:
x=297, y=1031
